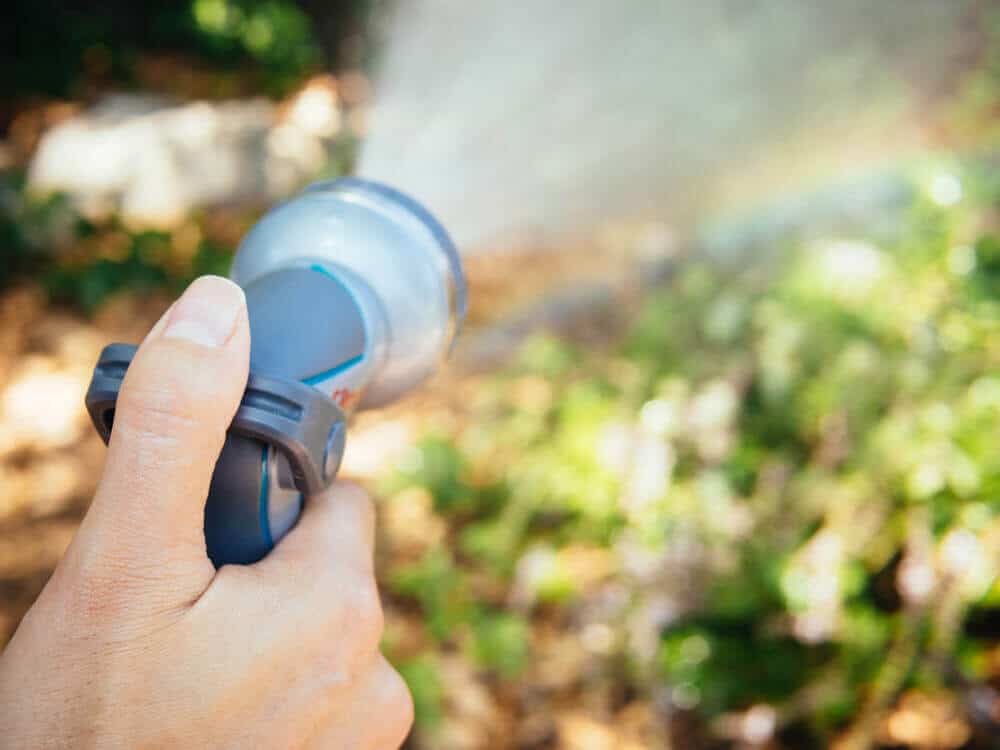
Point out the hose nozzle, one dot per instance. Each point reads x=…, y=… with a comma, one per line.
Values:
x=355, y=294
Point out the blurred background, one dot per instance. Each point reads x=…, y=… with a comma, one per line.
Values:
x=717, y=461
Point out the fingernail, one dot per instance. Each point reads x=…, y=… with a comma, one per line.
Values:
x=206, y=313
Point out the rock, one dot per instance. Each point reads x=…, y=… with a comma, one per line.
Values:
x=154, y=161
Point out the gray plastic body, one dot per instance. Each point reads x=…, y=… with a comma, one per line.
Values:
x=305, y=327
x=353, y=288
x=280, y=421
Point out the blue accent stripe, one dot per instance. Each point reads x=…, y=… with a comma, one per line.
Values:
x=348, y=364
x=444, y=242
x=320, y=269
x=265, y=488
x=321, y=376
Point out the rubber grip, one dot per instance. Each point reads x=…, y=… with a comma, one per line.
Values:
x=300, y=421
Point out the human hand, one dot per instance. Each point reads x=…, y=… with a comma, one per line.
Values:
x=137, y=641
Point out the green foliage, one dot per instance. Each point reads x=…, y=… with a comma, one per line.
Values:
x=275, y=33
x=790, y=445
x=500, y=643
x=30, y=229
x=53, y=48
x=438, y=466
x=441, y=590
x=82, y=264
x=717, y=667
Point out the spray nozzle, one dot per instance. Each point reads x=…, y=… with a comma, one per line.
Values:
x=354, y=293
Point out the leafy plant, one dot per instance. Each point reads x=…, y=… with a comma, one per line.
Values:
x=793, y=478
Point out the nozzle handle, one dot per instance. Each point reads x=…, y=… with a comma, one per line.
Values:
x=299, y=420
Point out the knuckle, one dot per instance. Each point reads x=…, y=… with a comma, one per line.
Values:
x=399, y=704
x=168, y=392
x=157, y=396
x=358, y=613
x=352, y=495
x=161, y=414
x=351, y=492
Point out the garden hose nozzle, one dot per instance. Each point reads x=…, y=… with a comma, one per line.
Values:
x=354, y=293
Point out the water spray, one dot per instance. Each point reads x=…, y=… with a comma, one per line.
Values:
x=519, y=124
x=355, y=294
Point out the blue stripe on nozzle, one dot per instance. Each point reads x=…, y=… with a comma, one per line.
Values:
x=320, y=269
x=265, y=487
x=319, y=377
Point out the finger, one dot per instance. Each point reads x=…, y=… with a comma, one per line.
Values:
x=323, y=573
x=178, y=398
x=379, y=715
x=315, y=592
x=335, y=533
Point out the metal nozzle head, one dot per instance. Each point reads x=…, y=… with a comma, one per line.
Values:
x=392, y=200
x=392, y=250
x=458, y=289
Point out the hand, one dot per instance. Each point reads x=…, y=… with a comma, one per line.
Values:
x=137, y=641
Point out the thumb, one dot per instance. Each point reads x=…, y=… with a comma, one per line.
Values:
x=177, y=400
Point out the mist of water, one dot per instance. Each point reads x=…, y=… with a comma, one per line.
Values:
x=521, y=121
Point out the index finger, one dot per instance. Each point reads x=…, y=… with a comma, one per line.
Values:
x=336, y=530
